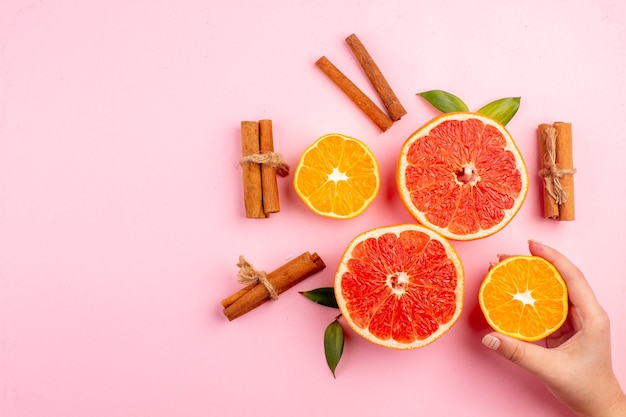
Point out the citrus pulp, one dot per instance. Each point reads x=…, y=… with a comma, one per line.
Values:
x=524, y=297
x=400, y=286
x=462, y=175
x=337, y=176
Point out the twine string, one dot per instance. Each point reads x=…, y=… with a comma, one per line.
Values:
x=248, y=275
x=552, y=173
x=272, y=159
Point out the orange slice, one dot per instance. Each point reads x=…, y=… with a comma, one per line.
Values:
x=337, y=176
x=400, y=286
x=462, y=175
x=524, y=297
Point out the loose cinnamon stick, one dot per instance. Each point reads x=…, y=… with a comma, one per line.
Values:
x=281, y=279
x=357, y=96
x=550, y=206
x=565, y=161
x=378, y=81
x=269, y=184
x=252, y=191
x=557, y=168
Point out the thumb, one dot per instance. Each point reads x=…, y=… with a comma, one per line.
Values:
x=527, y=355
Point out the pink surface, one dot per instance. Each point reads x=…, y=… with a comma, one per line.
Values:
x=121, y=214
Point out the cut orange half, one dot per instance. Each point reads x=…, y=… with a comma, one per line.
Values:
x=400, y=286
x=524, y=297
x=337, y=176
x=462, y=175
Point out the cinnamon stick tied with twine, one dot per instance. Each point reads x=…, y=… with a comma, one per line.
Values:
x=261, y=286
x=557, y=170
x=260, y=166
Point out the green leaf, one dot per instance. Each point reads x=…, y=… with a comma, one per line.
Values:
x=501, y=110
x=333, y=345
x=444, y=101
x=324, y=296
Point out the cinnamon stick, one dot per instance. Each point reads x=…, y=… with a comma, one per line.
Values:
x=252, y=191
x=228, y=301
x=557, y=169
x=378, y=81
x=281, y=280
x=269, y=185
x=357, y=96
x=550, y=206
x=565, y=161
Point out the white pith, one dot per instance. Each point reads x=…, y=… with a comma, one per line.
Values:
x=337, y=175
x=398, y=282
x=525, y=298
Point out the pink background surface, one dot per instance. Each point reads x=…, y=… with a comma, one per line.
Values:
x=121, y=214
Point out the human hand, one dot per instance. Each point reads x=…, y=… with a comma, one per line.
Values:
x=576, y=363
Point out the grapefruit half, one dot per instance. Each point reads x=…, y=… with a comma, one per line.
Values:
x=400, y=286
x=462, y=175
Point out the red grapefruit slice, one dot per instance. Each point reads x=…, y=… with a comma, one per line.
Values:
x=462, y=175
x=400, y=286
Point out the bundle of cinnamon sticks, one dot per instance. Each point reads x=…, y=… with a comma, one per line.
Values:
x=557, y=170
x=260, y=167
x=390, y=101
x=274, y=283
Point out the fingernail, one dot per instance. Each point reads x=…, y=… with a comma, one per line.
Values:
x=491, y=342
x=536, y=242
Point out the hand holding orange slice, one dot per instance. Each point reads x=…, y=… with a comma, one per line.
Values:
x=524, y=297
